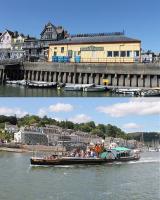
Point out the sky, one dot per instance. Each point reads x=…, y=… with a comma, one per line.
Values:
x=139, y=18
x=129, y=114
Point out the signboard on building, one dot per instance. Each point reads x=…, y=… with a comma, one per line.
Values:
x=92, y=48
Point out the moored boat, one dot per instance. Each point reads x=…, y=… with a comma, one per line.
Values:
x=95, y=88
x=73, y=88
x=76, y=87
x=36, y=84
x=130, y=91
x=150, y=93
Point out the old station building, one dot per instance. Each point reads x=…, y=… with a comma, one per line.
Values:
x=96, y=48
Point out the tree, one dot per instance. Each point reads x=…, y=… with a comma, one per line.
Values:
x=113, y=131
x=110, y=131
x=9, y=119
x=91, y=124
x=98, y=132
x=6, y=136
x=85, y=128
x=102, y=127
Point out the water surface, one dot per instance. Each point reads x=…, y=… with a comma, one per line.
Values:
x=20, y=91
x=120, y=181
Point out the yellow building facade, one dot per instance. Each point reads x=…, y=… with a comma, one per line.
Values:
x=96, y=49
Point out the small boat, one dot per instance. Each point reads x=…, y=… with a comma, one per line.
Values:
x=150, y=93
x=95, y=88
x=130, y=91
x=76, y=87
x=36, y=84
x=12, y=82
x=73, y=88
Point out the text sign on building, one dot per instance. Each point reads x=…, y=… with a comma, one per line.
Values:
x=92, y=48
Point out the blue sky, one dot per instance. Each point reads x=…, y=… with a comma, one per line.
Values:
x=139, y=18
x=130, y=114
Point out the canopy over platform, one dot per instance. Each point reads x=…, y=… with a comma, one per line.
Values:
x=121, y=149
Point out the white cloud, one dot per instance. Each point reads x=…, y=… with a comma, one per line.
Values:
x=81, y=118
x=12, y=111
x=131, y=125
x=133, y=107
x=42, y=112
x=60, y=107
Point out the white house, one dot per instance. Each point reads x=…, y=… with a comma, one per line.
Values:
x=7, y=39
x=30, y=137
x=11, y=45
x=11, y=128
x=18, y=136
x=147, y=57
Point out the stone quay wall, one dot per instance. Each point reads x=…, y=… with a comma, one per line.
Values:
x=120, y=75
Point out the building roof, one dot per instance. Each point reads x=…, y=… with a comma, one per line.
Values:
x=96, y=38
x=48, y=25
x=10, y=32
x=30, y=39
x=59, y=29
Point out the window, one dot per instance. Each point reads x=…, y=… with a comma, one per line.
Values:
x=55, y=53
x=55, y=48
x=116, y=53
x=49, y=36
x=70, y=53
x=128, y=53
x=62, y=49
x=136, y=53
x=109, y=54
x=123, y=54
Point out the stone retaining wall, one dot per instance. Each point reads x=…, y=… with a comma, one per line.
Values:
x=126, y=75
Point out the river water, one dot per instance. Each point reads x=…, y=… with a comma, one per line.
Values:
x=20, y=91
x=120, y=181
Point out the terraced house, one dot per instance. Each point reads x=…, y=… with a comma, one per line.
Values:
x=14, y=45
x=11, y=45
